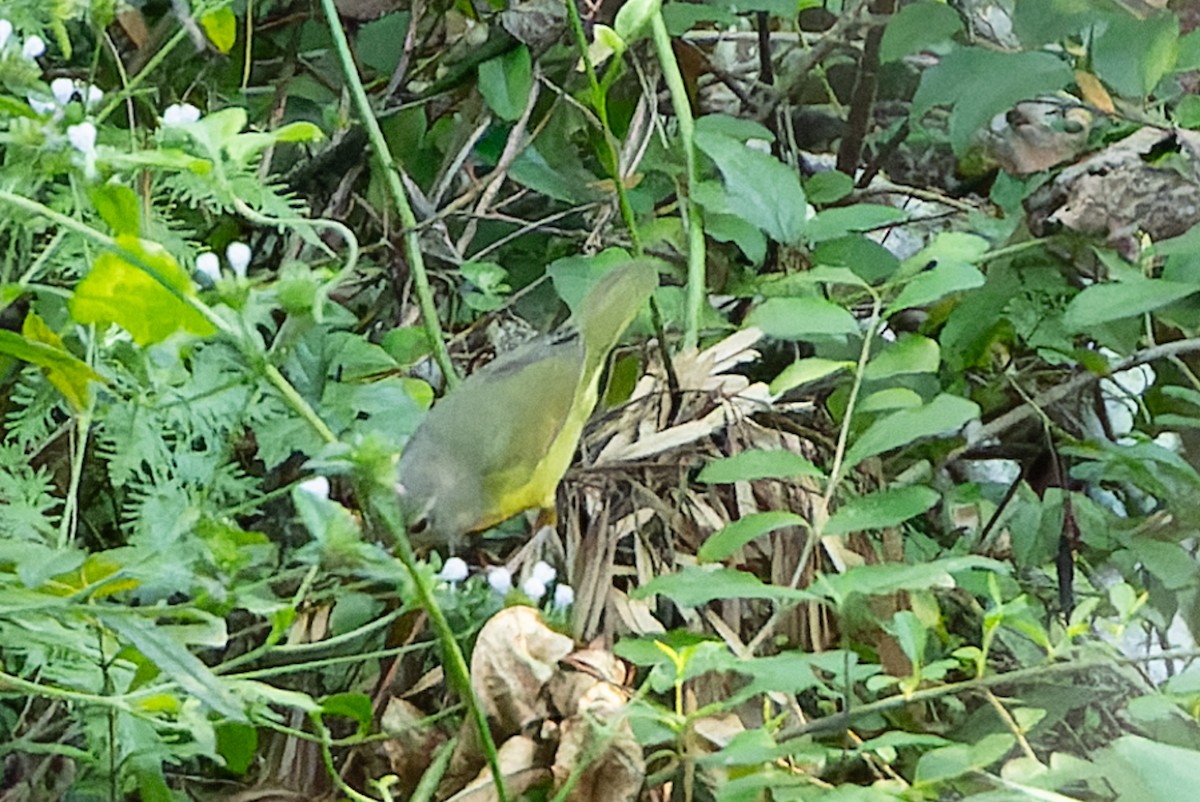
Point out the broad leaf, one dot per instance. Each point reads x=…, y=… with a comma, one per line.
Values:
x=740, y=532
x=695, y=586
x=887, y=578
x=978, y=84
x=912, y=353
x=1144, y=770
x=762, y=190
x=842, y=220
x=918, y=27
x=803, y=371
x=141, y=288
x=1101, y=303
x=757, y=464
x=882, y=509
x=944, y=414
x=1132, y=55
x=505, y=82
x=42, y=347
x=937, y=282
x=802, y=318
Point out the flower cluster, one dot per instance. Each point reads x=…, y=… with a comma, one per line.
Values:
x=237, y=254
x=33, y=47
x=500, y=580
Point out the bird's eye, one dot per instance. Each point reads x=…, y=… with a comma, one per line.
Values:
x=418, y=526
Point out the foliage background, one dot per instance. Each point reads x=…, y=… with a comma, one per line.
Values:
x=918, y=562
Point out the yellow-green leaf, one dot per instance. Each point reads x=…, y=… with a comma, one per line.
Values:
x=141, y=288
x=221, y=27
x=42, y=347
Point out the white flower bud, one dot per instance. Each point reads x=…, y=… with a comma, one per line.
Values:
x=238, y=254
x=500, y=580
x=534, y=588
x=564, y=597
x=33, y=48
x=82, y=137
x=6, y=32
x=180, y=114
x=543, y=572
x=209, y=266
x=317, y=487
x=63, y=90
x=453, y=570
x=93, y=96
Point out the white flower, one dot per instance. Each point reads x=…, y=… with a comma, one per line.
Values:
x=238, y=254
x=6, y=31
x=180, y=114
x=317, y=487
x=94, y=95
x=543, y=572
x=209, y=266
x=82, y=137
x=534, y=588
x=564, y=597
x=500, y=580
x=454, y=570
x=63, y=90
x=40, y=106
x=34, y=47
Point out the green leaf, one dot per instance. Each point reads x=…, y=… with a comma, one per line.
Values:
x=1187, y=113
x=1146, y=771
x=1132, y=55
x=1188, y=52
x=762, y=190
x=42, y=347
x=802, y=318
x=633, y=16
x=118, y=206
x=868, y=259
x=175, y=662
x=1101, y=303
x=942, y=415
x=220, y=25
x=911, y=633
x=694, y=586
x=912, y=353
x=842, y=220
x=948, y=246
x=735, y=127
x=505, y=82
x=889, y=399
x=755, y=464
x=740, y=532
x=978, y=84
x=803, y=371
x=918, y=27
x=887, y=578
x=950, y=762
x=237, y=745
x=828, y=187
x=937, y=282
x=354, y=706
x=882, y=509
x=141, y=288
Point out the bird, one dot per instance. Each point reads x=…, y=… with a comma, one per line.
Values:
x=499, y=444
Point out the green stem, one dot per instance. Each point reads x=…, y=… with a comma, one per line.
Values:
x=454, y=663
x=600, y=104
x=694, y=303
x=391, y=175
